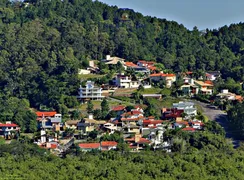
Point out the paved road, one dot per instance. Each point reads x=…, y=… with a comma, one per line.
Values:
x=218, y=116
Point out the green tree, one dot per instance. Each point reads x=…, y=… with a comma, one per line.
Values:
x=89, y=107
x=105, y=108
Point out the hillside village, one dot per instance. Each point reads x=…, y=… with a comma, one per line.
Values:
x=135, y=123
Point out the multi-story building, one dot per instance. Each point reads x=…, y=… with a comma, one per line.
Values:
x=168, y=78
x=6, y=130
x=49, y=120
x=90, y=92
x=188, y=107
x=124, y=81
x=205, y=87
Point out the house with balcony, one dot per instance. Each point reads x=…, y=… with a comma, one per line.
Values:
x=86, y=147
x=189, y=88
x=168, y=78
x=8, y=129
x=147, y=64
x=124, y=81
x=136, y=68
x=225, y=95
x=171, y=113
x=205, y=87
x=137, y=142
x=90, y=92
x=108, y=145
x=49, y=120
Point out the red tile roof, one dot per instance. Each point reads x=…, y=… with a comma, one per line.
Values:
x=118, y=108
x=8, y=125
x=130, y=64
x=143, y=140
x=182, y=122
x=45, y=114
x=162, y=75
x=54, y=146
x=89, y=145
x=131, y=119
x=152, y=68
x=189, y=72
x=188, y=129
x=239, y=98
x=108, y=143
x=147, y=122
x=135, y=112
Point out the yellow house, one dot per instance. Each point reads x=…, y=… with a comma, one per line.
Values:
x=205, y=87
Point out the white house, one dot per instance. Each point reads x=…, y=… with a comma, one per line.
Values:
x=225, y=94
x=90, y=92
x=124, y=81
x=188, y=107
x=110, y=127
x=108, y=145
x=197, y=124
x=212, y=76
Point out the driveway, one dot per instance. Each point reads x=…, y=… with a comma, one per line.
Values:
x=218, y=116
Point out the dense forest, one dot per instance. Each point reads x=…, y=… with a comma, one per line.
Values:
x=27, y=161
x=43, y=43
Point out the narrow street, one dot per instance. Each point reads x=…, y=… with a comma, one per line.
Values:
x=218, y=116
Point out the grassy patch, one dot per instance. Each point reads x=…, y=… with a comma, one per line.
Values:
x=124, y=98
x=90, y=76
x=199, y=108
x=151, y=91
x=97, y=104
x=205, y=118
x=122, y=91
x=168, y=101
x=29, y=135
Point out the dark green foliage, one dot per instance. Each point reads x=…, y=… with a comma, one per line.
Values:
x=89, y=107
x=236, y=120
x=75, y=115
x=118, y=137
x=97, y=114
x=44, y=43
x=93, y=134
x=105, y=109
x=30, y=162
